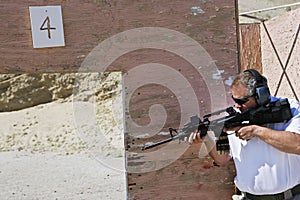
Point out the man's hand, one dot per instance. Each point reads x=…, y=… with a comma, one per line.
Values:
x=244, y=133
x=248, y=132
x=210, y=146
x=194, y=138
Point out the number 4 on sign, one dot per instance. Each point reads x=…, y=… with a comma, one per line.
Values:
x=47, y=26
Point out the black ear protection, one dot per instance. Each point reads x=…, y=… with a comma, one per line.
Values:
x=262, y=92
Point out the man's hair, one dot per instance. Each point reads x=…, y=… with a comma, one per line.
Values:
x=246, y=79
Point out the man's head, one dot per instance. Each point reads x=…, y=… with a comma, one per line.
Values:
x=249, y=89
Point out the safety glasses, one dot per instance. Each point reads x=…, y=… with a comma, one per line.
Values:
x=241, y=101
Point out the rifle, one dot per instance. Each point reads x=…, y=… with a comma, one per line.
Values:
x=274, y=112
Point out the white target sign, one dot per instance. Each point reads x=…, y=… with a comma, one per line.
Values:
x=46, y=26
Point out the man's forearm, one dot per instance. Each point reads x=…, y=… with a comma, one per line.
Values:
x=285, y=141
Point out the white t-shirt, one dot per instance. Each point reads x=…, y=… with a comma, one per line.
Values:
x=261, y=168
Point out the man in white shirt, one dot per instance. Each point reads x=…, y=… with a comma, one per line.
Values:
x=267, y=158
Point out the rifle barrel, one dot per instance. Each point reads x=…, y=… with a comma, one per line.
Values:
x=157, y=143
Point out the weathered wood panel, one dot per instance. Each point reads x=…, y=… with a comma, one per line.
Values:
x=250, y=47
x=89, y=23
x=188, y=177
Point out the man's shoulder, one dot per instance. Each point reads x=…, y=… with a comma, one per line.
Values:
x=292, y=102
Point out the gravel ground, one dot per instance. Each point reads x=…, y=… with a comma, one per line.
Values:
x=52, y=176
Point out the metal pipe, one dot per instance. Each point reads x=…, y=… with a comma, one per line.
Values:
x=271, y=8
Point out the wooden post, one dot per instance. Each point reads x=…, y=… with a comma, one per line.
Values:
x=250, y=47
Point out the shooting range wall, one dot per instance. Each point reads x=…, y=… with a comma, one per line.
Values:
x=176, y=59
x=284, y=33
x=182, y=177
